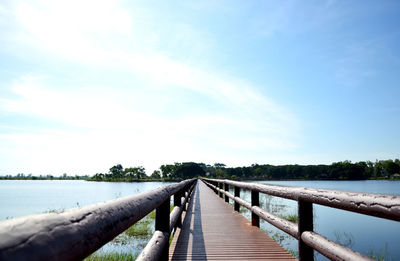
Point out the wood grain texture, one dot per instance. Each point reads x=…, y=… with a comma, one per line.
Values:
x=212, y=230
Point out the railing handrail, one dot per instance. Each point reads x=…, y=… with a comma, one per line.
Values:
x=379, y=205
x=76, y=233
x=158, y=246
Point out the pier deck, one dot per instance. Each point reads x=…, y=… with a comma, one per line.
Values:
x=212, y=230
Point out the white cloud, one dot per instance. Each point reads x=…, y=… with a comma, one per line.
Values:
x=72, y=30
x=107, y=124
x=103, y=127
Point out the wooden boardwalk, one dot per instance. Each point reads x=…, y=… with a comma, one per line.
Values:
x=212, y=230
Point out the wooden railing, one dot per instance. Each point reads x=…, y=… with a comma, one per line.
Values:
x=77, y=233
x=378, y=205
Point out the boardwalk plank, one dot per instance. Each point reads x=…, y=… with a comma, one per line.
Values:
x=212, y=230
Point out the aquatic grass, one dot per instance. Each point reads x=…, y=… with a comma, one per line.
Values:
x=278, y=237
x=382, y=255
x=142, y=228
x=294, y=253
x=141, y=233
x=290, y=217
x=344, y=238
x=243, y=210
x=111, y=256
x=152, y=215
x=136, y=237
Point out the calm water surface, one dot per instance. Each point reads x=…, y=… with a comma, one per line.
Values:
x=361, y=233
x=26, y=197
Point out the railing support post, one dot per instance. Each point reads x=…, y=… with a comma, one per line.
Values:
x=162, y=223
x=237, y=194
x=226, y=189
x=220, y=187
x=305, y=213
x=255, y=201
x=178, y=203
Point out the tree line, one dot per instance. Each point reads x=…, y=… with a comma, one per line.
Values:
x=343, y=170
x=118, y=173
x=22, y=176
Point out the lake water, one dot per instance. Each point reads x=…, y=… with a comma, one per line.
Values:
x=362, y=233
x=26, y=197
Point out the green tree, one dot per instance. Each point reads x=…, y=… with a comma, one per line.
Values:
x=98, y=176
x=390, y=166
x=219, y=165
x=156, y=174
x=117, y=171
x=135, y=173
x=188, y=170
x=167, y=171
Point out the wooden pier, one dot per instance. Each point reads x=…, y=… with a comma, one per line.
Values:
x=212, y=230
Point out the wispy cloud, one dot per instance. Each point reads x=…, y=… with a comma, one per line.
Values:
x=173, y=110
x=130, y=132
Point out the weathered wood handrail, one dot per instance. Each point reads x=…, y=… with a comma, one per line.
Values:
x=157, y=247
x=378, y=205
x=77, y=233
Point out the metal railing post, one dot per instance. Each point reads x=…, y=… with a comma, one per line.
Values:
x=255, y=201
x=226, y=189
x=162, y=223
x=220, y=184
x=237, y=194
x=305, y=213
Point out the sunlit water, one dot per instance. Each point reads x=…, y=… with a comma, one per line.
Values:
x=361, y=233
x=27, y=197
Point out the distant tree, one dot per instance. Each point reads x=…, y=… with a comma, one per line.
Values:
x=220, y=173
x=390, y=166
x=208, y=169
x=343, y=170
x=140, y=172
x=135, y=173
x=219, y=165
x=98, y=176
x=117, y=171
x=188, y=170
x=156, y=174
x=167, y=171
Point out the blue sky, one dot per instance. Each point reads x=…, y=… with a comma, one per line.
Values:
x=85, y=85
